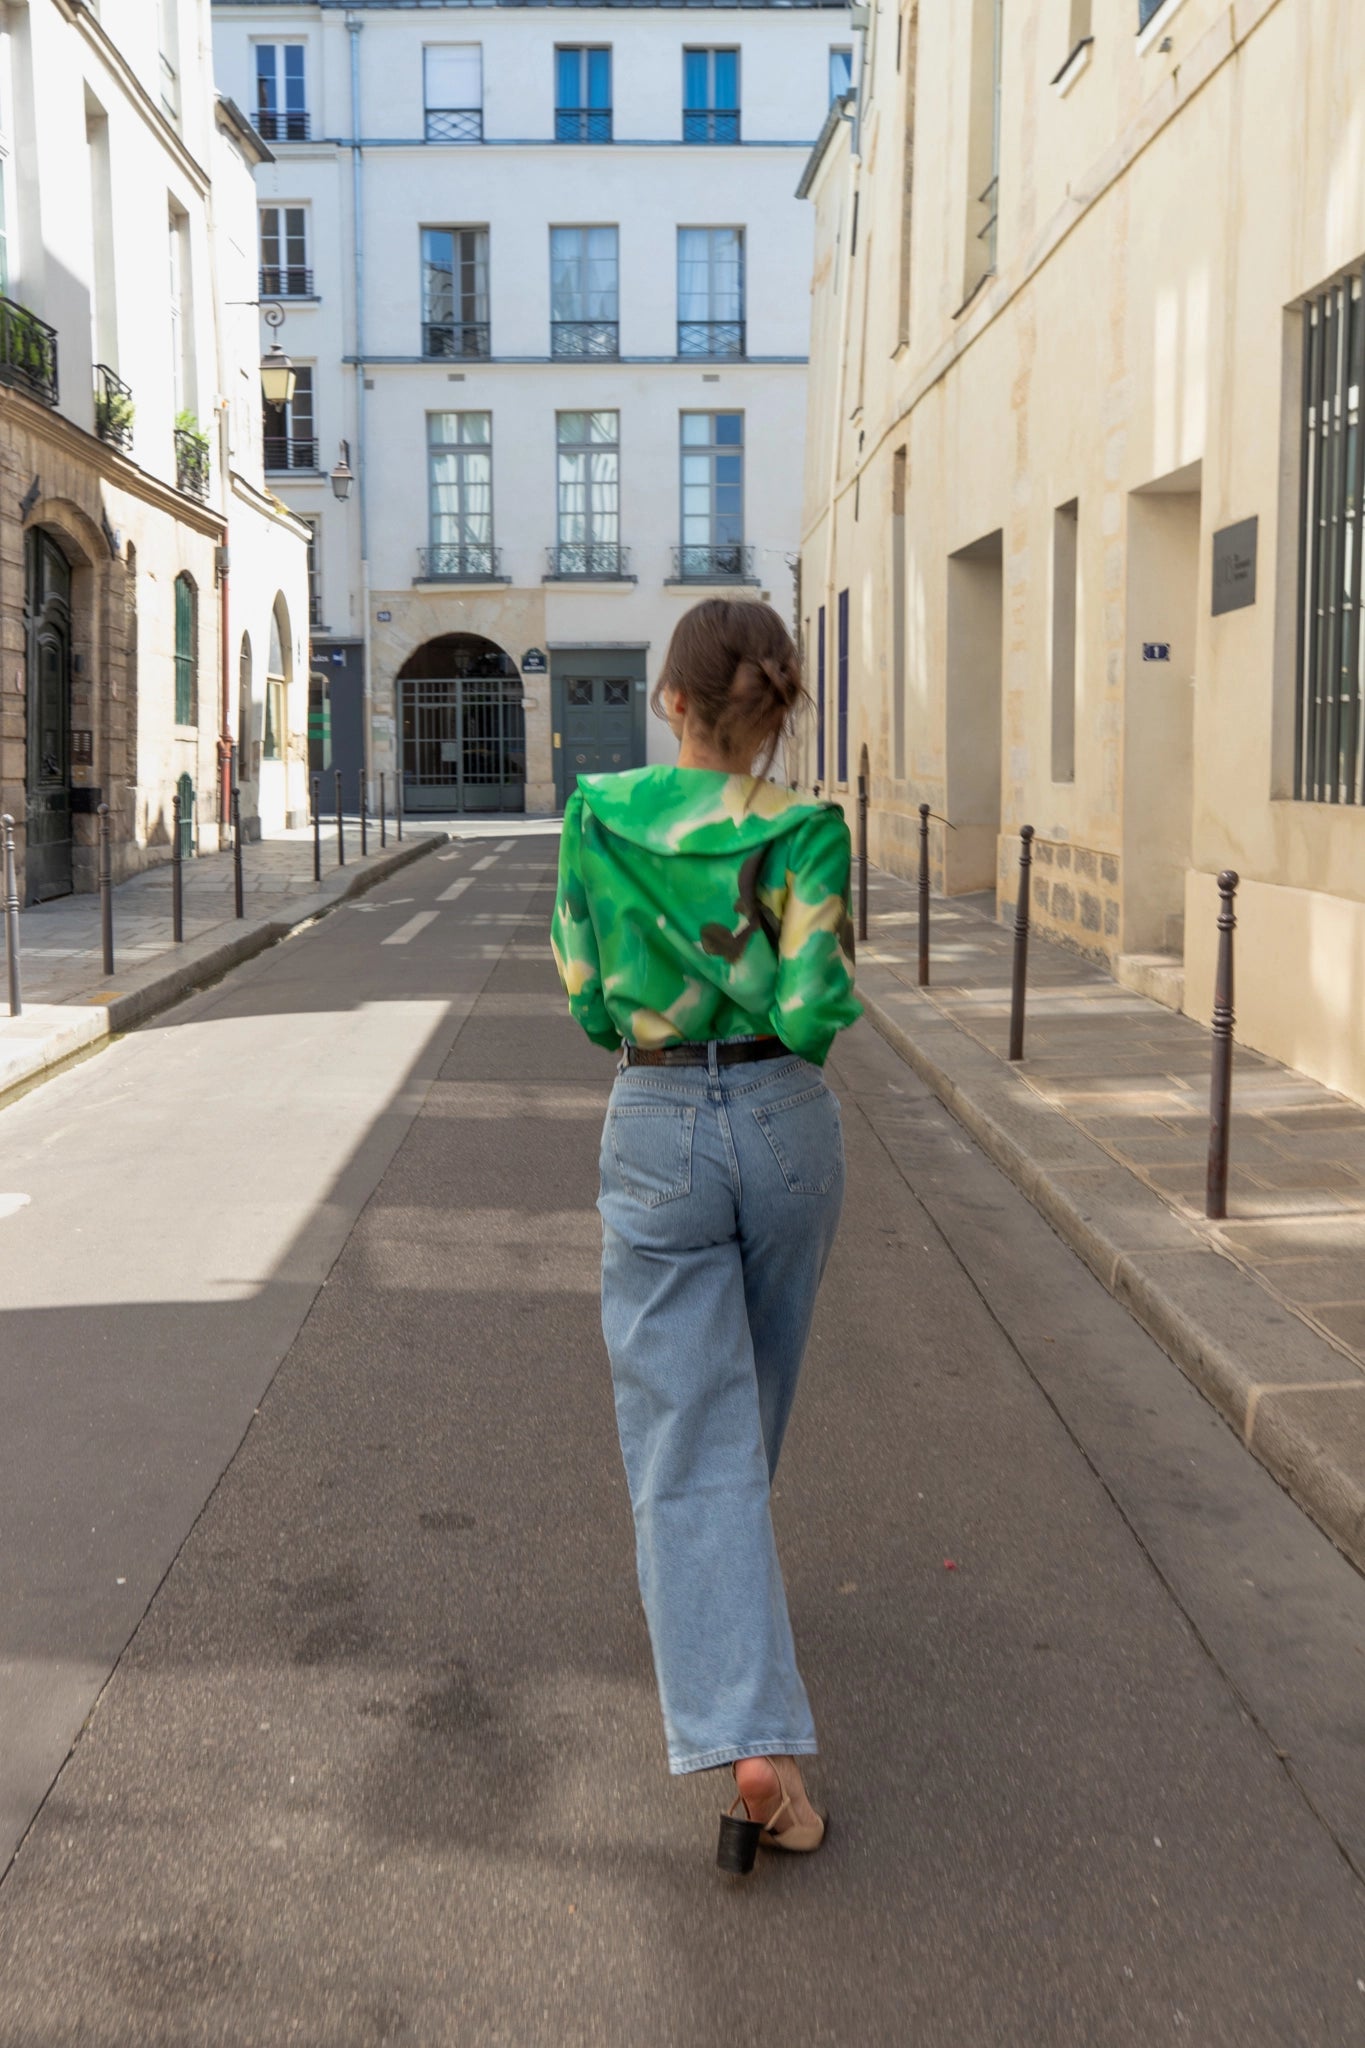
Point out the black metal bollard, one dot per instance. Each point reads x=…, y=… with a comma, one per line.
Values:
x=383, y=825
x=317, y=828
x=16, y=1004
x=1021, y=910
x=862, y=856
x=177, y=875
x=398, y=803
x=924, y=896
x=1220, y=1090
x=237, y=849
x=341, y=829
x=106, y=892
x=364, y=817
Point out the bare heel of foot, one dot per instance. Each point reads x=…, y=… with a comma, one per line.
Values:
x=777, y=1813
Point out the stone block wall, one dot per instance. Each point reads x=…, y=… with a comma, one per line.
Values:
x=1074, y=895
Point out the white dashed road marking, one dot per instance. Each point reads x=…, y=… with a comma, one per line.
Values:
x=486, y=862
x=504, y=846
x=455, y=889
x=411, y=928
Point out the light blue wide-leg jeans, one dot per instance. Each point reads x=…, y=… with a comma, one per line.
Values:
x=720, y=1197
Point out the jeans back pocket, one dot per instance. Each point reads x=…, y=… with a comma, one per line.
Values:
x=806, y=1138
x=652, y=1148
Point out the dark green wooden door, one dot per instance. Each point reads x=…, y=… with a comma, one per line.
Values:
x=47, y=867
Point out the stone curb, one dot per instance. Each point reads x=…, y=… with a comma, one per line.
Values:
x=196, y=966
x=1295, y=1400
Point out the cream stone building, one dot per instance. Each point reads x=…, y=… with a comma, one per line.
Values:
x=153, y=592
x=1082, y=540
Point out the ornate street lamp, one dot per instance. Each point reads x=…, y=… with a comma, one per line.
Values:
x=278, y=375
x=342, y=477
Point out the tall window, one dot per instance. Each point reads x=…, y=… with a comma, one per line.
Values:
x=712, y=497
x=841, y=701
x=582, y=95
x=455, y=292
x=454, y=92
x=899, y=465
x=182, y=353
x=1146, y=9
x=460, y=472
x=840, y=72
x=710, y=95
x=186, y=652
x=290, y=432
x=820, y=696
x=983, y=145
x=1065, y=592
x=588, y=541
x=284, y=253
x=169, y=27
x=1329, y=728
x=246, y=767
x=710, y=291
x=277, y=673
x=313, y=522
x=584, y=292
x=281, y=97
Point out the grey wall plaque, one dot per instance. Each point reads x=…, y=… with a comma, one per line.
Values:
x=1234, y=567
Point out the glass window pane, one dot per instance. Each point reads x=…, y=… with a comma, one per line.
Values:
x=474, y=426
x=727, y=79
x=604, y=426
x=568, y=71
x=573, y=427
x=443, y=427
x=696, y=428
x=840, y=73
x=729, y=427
x=454, y=75
x=293, y=78
x=695, y=79
x=599, y=78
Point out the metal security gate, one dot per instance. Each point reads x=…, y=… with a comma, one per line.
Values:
x=464, y=743
x=47, y=865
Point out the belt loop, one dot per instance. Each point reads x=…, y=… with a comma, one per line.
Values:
x=712, y=1062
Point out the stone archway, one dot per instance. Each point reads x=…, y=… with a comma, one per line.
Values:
x=462, y=729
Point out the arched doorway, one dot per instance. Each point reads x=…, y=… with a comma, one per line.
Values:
x=279, y=670
x=463, y=728
x=47, y=864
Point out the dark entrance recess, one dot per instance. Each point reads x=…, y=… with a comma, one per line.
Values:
x=599, y=713
x=47, y=867
x=462, y=727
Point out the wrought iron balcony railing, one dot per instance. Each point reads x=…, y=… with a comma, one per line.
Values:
x=465, y=561
x=731, y=562
x=582, y=124
x=606, y=560
x=711, y=338
x=28, y=351
x=113, y=409
x=286, y=281
x=290, y=451
x=711, y=125
x=451, y=339
x=273, y=126
x=191, y=462
x=454, y=124
x=585, y=338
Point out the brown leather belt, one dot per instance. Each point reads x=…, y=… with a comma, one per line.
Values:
x=729, y=1053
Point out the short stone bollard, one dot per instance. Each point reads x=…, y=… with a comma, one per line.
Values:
x=177, y=874
x=924, y=896
x=16, y=1004
x=317, y=828
x=341, y=829
x=1021, y=920
x=383, y=826
x=237, y=850
x=1220, y=1087
x=862, y=855
x=106, y=892
x=364, y=816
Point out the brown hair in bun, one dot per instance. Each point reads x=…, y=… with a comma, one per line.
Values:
x=736, y=666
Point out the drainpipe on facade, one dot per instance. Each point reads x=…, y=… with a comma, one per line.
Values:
x=354, y=28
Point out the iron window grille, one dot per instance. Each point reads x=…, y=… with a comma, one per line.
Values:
x=286, y=127
x=585, y=338
x=291, y=451
x=455, y=322
x=113, y=408
x=711, y=124
x=605, y=560
x=582, y=124
x=1329, y=730
x=454, y=124
x=191, y=462
x=28, y=351
x=710, y=338
x=724, y=562
x=293, y=281
x=460, y=561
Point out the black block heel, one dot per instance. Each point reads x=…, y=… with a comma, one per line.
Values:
x=738, y=1844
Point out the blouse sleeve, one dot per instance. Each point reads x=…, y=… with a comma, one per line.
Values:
x=572, y=938
x=814, y=998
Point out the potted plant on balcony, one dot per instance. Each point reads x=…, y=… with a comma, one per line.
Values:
x=191, y=455
x=114, y=414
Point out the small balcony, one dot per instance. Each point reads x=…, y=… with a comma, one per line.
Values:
x=454, y=124
x=465, y=561
x=286, y=281
x=113, y=409
x=582, y=124
x=290, y=451
x=191, y=462
x=730, y=562
x=711, y=125
x=273, y=126
x=28, y=352
x=600, y=561
x=585, y=340
x=712, y=339
x=455, y=340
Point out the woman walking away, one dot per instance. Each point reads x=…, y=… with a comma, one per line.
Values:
x=701, y=928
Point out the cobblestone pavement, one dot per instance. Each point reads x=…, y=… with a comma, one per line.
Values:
x=1134, y=1077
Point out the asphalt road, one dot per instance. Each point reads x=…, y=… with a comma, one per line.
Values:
x=304, y=1391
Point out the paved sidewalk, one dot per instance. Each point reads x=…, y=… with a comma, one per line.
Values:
x=1105, y=1125
x=70, y=1005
